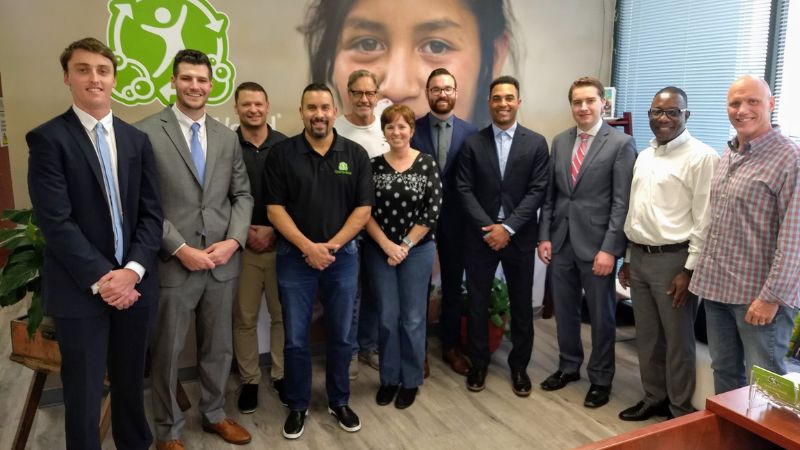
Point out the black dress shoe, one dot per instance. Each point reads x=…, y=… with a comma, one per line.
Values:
x=520, y=383
x=280, y=388
x=248, y=398
x=476, y=379
x=642, y=411
x=597, y=396
x=386, y=394
x=405, y=398
x=294, y=425
x=558, y=380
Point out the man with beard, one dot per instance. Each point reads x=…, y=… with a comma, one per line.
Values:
x=440, y=134
x=319, y=196
x=258, y=259
x=362, y=126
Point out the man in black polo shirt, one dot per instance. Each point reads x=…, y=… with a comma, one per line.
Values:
x=258, y=260
x=319, y=195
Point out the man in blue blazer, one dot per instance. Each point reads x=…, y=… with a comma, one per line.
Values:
x=581, y=234
x=440, y=134
x=94, y=189
x=501, y=180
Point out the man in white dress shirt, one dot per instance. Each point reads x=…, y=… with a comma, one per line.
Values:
x=666, y=227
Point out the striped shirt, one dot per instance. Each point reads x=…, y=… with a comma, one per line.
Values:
x=753, y=245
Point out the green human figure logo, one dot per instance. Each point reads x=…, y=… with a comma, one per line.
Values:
x=145, y=35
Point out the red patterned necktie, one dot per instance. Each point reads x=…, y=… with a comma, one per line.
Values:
x=577, y=159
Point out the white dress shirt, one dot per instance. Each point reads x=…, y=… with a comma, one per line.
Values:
x=592, y=132
x=185, y=122
x=670, y=195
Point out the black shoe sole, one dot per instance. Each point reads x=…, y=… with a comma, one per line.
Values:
x=521, y=393
x=473, y=388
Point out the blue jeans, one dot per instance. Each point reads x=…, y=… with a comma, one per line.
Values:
x=735, y=345
x=364, y=332
x=402, y=295
x=298, y=285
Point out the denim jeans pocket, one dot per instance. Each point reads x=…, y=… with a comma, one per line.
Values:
x=350, y=248
x=284, y=247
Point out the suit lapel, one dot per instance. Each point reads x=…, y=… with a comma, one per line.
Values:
x=78, y=133
x=173, y=130
x=213, y=147
x=488, y=134
x=124, y=152
x=514, y=151
x=597, y=146
x=567, y=162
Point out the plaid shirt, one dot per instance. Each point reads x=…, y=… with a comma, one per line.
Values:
x=753, y=245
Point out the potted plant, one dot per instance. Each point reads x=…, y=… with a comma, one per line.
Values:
x=498, y=314
x=30, y=338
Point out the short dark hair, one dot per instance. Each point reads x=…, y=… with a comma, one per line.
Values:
x=674, y=91
x=390, y=114
x=89, y=44
x=320, y=87
x=249, y=86
x=587, y=81
x=194, y=57
x=504, y=79
x=440, y=71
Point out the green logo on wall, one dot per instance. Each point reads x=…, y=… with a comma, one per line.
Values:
x=146, y=34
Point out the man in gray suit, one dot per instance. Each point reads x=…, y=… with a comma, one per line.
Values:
x=207, y=205
x=581, y=233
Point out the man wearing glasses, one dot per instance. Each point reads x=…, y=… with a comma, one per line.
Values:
x=440, y=134
x=666, y=227
x=362, y=126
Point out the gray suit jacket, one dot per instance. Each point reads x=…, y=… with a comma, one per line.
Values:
x=219, y=210
x=592, y=213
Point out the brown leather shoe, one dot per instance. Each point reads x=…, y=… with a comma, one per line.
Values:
x=169, y=445
x=457, y=361
x=229, y=430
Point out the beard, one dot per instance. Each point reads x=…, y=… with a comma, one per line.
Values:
x=438, y=107
x=318, y=133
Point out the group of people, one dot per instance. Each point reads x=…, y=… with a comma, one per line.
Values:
x=179, y=220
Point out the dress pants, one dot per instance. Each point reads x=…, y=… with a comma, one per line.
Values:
x=569, y=276
x=449, y=243
x=210, y=304
x=258, y=277
x=298, y=284
x=115, y=341
x=664, y=335
x=518, y=269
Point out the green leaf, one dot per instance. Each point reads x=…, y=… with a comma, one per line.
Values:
x=20, y=216
x=497, y=320
x=16, y=276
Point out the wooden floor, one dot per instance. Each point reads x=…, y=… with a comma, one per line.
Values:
x=445, y=415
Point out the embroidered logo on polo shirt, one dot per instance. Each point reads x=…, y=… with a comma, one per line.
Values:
x=343, y=169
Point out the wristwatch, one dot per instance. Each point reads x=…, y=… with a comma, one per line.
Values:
x=408, y=242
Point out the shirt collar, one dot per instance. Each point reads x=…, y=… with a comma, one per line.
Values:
x=335, y=144
x=510, y=130
x=754, y=144
x=244, y=141
x=678, y=141
x=90, y=122
x=591, y=131
x=433, y=120
x=186, y=121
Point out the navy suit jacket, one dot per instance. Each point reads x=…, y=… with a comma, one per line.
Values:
x=423, y=140
x=520, y=190
x=65, y=183
x=592, y=213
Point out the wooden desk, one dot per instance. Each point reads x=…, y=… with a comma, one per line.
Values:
x=725, y=424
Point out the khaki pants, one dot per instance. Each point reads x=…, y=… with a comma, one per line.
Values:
x=258, y=276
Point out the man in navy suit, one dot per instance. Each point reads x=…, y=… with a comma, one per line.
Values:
x=501, y=180
x=94, y=189
x=581, y=236
x=440, y=134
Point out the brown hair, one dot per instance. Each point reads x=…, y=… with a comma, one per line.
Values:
x=587, y=81
x=391, y=113
x=89, y=44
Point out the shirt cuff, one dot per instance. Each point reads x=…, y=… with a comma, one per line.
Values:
x=509, y=229
x=691, y=261
x=627, y=254
x=179, y=247
x=136, y=267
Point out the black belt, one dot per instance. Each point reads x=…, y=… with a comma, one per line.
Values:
x=662, y=248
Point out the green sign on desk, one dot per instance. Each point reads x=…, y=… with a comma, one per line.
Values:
x=774, y=386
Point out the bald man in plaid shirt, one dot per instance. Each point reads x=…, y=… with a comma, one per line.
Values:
x=749, y=271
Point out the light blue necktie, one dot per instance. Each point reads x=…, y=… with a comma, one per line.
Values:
x=111, y=188
x=197, y=153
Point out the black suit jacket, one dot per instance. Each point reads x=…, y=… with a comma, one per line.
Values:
x=65, y=183
x=520, y=190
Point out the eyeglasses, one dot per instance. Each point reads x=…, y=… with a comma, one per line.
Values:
x=672, y=113
x=449, y=90
x=369, y=94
